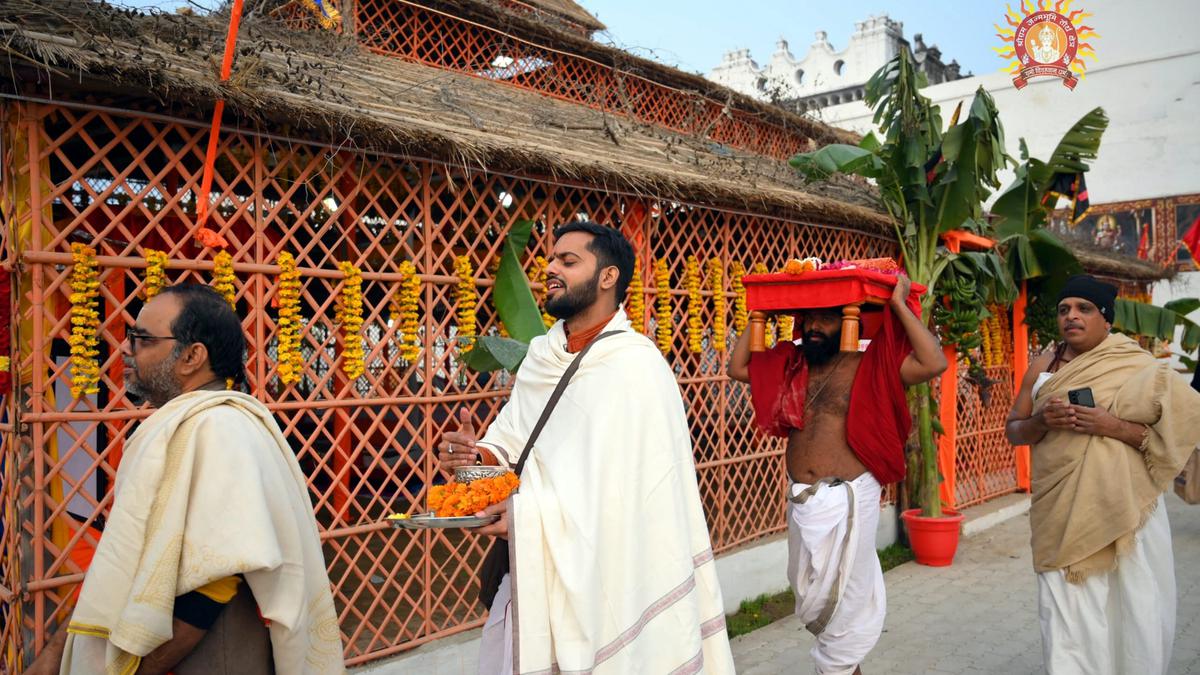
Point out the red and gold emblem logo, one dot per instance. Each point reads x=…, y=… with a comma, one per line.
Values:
x=1045, y=41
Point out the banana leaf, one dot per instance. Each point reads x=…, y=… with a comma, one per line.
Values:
x=1144, y=319
x=514, y=301
x=492, y=352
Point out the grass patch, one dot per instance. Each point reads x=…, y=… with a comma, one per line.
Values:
x=768, y=608
x=894, y=555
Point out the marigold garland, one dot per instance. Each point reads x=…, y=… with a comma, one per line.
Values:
x=290, y=358
x=537, y=276
x=85, y=321
x=691, y=282
x=404, y=312
x=223, y=277
x=741, y=316
x=466, y=298
x=635, y=298
x=326, y=14
x=769, y=333
x=156, y=276
x=453, y=500
x=5, y=364
x=716, y=284
x=349, y=316
x=664, y=329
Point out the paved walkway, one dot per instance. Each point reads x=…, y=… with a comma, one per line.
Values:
x=979, y=615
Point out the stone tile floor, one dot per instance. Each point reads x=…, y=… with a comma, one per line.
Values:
x=979, y=615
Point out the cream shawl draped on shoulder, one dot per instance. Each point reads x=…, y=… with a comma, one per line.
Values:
x=612, y=568
x=1092, y=493
x=208, y=488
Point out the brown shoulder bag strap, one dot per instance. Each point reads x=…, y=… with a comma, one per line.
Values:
x=557, y=394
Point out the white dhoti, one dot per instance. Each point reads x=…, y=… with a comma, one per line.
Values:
x=834, y=571
x=495, y=646
x=1121, y=621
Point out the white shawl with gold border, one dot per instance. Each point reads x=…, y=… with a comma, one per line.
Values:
x=613, y=569
x=207, y=488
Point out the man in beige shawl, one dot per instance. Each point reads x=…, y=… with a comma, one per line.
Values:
x=1101, y=540
x=612, y=568
x=211, y=519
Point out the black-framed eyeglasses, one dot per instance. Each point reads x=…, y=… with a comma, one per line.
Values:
x=134, y=336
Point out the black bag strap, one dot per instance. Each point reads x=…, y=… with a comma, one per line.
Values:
x=557, y=394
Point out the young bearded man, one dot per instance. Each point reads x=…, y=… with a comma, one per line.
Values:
x=1110, y=427
x=846, y=420
x=211, y=536
x=612, y=568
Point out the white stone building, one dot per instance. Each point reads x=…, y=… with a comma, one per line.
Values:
x=1146, y=76
x=826, y=76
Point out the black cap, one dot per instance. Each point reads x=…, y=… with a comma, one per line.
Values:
x=1093, y=290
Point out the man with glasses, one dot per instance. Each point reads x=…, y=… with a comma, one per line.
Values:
x=210, y=561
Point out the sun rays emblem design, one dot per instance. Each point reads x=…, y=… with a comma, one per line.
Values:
x=1046, y=39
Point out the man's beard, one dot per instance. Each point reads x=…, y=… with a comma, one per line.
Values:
x=574, y=300
x=156, y=385
x=819, y=352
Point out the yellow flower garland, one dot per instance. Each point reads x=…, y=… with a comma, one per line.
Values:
x=5, y=364
x=156, y=276
x=466, y=298
x=741, y=316
x=224, y=279
x=404, y=312
x=665, y=330
x=85, y=321
x=761, y=268
x=349, y=315
x=691, y=281
x=635, y=298
x=537, y=275
x=288, y=354
x=716, y=283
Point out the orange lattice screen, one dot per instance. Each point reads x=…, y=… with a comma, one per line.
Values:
x=126, y=183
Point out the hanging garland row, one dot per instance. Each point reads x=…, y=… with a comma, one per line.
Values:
x=291, y=359
x=691, y=283
x=716, y=284
x=223, y=277
x=664, y=331
x=635, y=303
x=156, y=274
x=741, y=316
x=349, y=316
x=405, y=312
x=85, y=321
x=466, y=299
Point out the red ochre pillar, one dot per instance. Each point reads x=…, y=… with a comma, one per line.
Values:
x=1020, y=364
x=948, y=414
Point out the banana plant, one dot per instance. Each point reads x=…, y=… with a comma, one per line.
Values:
x=516, y=307
x=1140, y=318
x=930, y=182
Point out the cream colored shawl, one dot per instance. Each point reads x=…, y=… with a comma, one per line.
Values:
x=208, y=488
x=613, y=570
x=1092, y=493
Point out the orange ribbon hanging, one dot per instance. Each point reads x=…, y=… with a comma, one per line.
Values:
x=203, y=234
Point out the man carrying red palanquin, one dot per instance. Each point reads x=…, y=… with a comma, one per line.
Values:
x=846, y=420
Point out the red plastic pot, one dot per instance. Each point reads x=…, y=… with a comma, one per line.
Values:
x=934, y=540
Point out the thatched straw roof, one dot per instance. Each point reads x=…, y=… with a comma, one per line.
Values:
x=568, y=10
x=329, y=89
x=1106, y=263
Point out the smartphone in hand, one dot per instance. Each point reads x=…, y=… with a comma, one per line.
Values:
x=1081, y=397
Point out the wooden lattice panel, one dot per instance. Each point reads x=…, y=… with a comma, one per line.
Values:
x=127, y=183
x=409, y=31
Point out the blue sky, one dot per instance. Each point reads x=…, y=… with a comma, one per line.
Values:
x=693, y=35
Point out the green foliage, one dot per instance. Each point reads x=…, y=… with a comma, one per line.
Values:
x=516, y=306
x=1139, y=318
